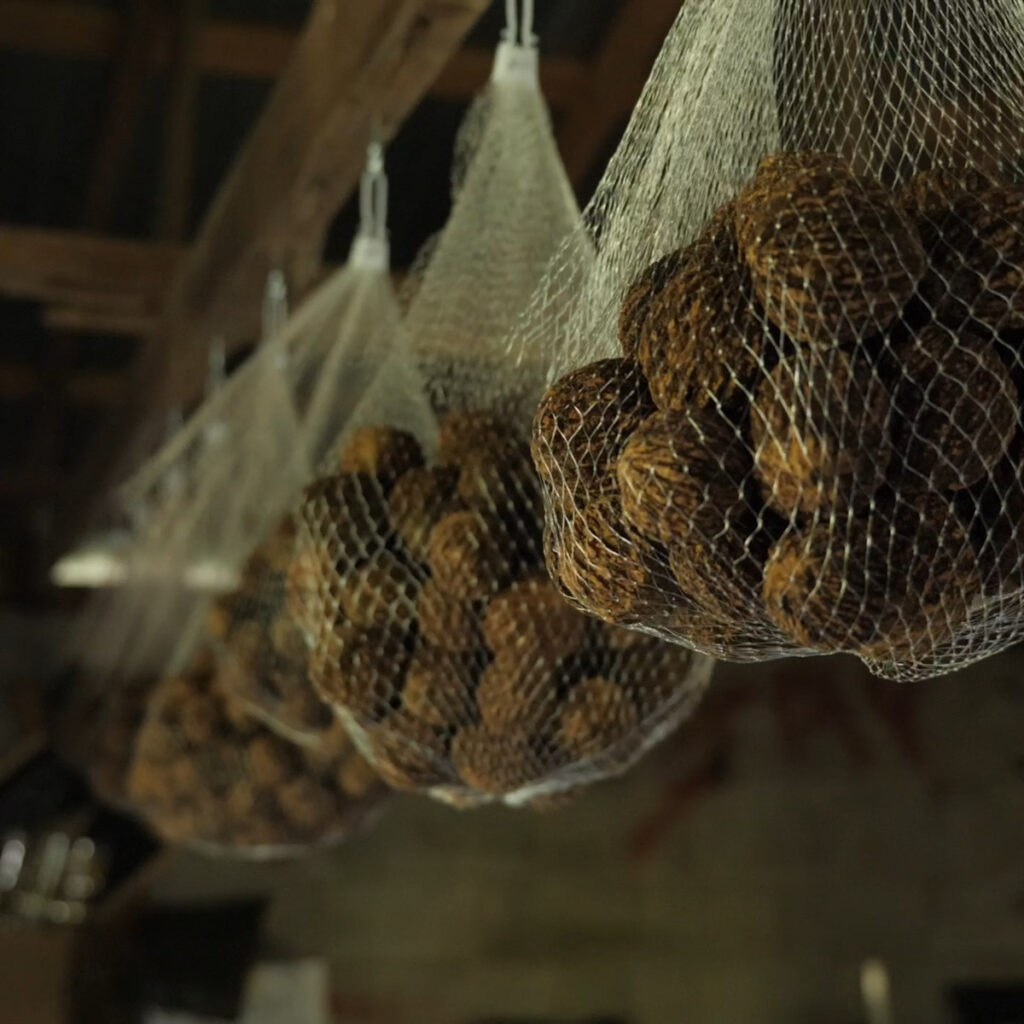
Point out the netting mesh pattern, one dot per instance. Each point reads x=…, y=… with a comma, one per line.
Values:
x=205, y=772
x=788, y=415
x=457, y=664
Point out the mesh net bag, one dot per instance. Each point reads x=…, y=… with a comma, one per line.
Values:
x=206, y=773
x=458, y=666
x=789, y=386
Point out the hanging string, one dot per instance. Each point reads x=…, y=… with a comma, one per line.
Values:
x=519, y=28
x=373, y=195
x=275, y=305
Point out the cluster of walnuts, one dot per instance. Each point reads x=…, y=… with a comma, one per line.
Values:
x=203, y=770
x=263, y=653
x=438, y=635
x=811, y=437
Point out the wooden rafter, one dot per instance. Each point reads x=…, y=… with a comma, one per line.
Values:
x=239, y=49
x=353, y=66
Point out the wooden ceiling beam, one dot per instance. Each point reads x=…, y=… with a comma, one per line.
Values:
x=353, y=66
x=615, y=80
x=60, y=28
x=77, y=269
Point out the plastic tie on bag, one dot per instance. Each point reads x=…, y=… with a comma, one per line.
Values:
x=516, y=58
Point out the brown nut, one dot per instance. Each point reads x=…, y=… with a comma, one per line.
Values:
x=702, y=341
x=419, y=499
x=305, y=803
x=832, y=258
x=349, y=515
x=381, y=592
x=582, y=423
x=957, y=410
x=409, y=753
x=470, y=555
x=439, y=687
x=597, y=716
x=496, y=765
x=898, y=584
x=820, y=431
x=355, y=777
x=532, y=615
x=449, y=622
x=676, y=462
x=381, y=452
x=308, y=584
x=360, y=670
x=640, y=298
x=518, y=690
x=269, y=760
x=460, y=433
x=608, y=568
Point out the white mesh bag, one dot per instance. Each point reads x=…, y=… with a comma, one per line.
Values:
x=787, y=420
x=460, y=669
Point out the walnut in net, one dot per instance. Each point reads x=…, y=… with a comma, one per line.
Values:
x=597, y=716
x=532, y=616
x=582, y=423
x=957, y=408
x=496, y=764
x=418, y=500
x=832, y=258
x=439, y=687
x=702, y=341
x=347, y=513
x=897, y=583
x=269, y=760
x=305, y=803
x=382, y=452
x=460, y=433
x=361, y=670
x=470, y=555
x=381, y=592
x=409, y=753
x=308, y=582
x=518, y=690
x=640, y=297
x=676, y=462
x=820, y=432
x=452, y=623
x=609, y=568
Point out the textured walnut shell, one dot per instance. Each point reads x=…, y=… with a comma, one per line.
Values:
x=381, y=452
x=269, y=761
x=409, y=753
x=639, y=300
x=957, y=410
x=531, y=615
x=518, y=690
x=354, y=776
x=382, y=592
x=198, y=719
x=702, y=340
x=305, y=803
x=469, y=555
x=349, y=514
x=439, y=687
x=460, y=433
x=820, y=431
x=307, y=587
x=287, y=638
x=979, y=262
x=496, y=764
x=449, y=622
x=609, y=569
x=941, y=202
x=597, y=715
x=361, y=670
x=832, y=259
x=582, y=423
x=674, y=463
x=418, y=500
x=653, y=674
x=898, y=584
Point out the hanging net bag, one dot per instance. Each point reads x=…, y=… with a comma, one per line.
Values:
x=263, y=645
x=205, y=773
x=458, y=666
x=789, y=417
